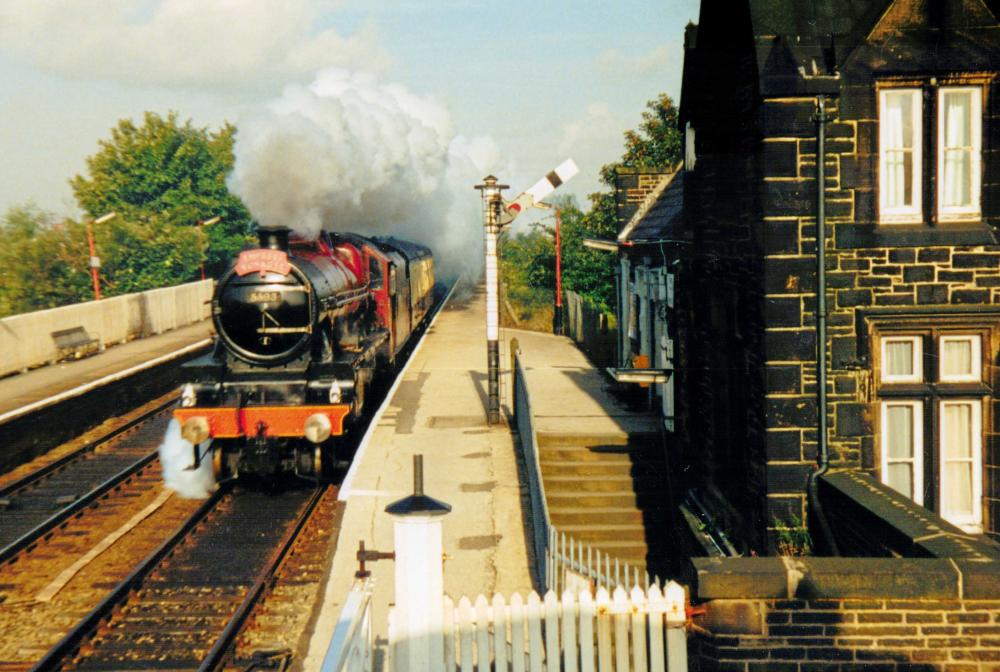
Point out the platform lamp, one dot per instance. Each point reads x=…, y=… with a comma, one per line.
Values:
x=201, y=239
x=95, y=261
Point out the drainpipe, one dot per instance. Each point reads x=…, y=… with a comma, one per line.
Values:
x=823, y=452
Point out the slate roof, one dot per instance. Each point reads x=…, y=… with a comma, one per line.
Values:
x=824, y=37
x=660, y=217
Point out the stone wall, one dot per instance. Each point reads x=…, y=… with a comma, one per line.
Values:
x=924, y=274
x=795, y=614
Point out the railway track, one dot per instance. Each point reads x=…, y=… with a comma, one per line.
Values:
x=185, y=605
x=35, y=505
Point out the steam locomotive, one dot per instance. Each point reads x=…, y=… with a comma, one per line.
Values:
x=304, y=328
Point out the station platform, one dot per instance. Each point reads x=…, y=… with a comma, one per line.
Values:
x=569, y=396
x=33, y=388
x=439, y=411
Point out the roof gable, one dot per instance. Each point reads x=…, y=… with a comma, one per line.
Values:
x=909, y=15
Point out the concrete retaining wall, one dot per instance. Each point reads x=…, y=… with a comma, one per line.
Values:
x=26, y=341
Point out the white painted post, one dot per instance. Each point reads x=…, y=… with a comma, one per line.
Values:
x=657, y=607
x=604, y=648
x=465, y=633
x=638, y=599
x=500, y=618
x=419, y=578
x=517, y=646
x=449, y=633
x=551, y=632
x=482, y=633
x=676, y=636
x=586, y=632
x=569, y=611
x=536, y=652
x=620, y=607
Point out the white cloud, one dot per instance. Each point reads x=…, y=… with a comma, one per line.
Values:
x=592, y=140
x=232, y=44
x=349, y=153
x=613, y=63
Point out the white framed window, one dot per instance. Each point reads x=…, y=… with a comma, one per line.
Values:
x=900, y=140
x=902, y=359
x=959, y=142
x=961, y=462
x=960, y=358
x=902, y=425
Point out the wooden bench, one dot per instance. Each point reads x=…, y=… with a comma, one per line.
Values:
x=74, y=343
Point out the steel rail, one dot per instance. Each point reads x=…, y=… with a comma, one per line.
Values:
x=31, y=536
x=72, y=641
x=217, y=656
x=37, y=475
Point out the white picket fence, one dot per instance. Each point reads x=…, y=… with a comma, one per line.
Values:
x=351, y=648
x=637, y=632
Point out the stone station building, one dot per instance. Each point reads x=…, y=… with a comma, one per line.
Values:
x=908, y=95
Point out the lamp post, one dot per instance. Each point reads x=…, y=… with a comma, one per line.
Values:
x=490, y=191
x=201, y=239
x=95, y=261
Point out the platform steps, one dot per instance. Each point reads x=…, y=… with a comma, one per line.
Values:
x=609, y=491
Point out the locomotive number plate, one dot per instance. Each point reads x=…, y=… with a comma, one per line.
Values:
x=265, y=297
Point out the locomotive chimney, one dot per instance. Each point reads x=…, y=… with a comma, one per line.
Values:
x=273, y=238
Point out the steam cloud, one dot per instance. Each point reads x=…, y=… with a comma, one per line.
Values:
x=176, y=456
x=348, y=153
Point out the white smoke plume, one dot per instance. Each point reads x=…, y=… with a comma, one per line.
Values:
x=348, y=153
x=176, y=455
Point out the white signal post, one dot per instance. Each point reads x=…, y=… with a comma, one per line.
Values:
x=497, y=214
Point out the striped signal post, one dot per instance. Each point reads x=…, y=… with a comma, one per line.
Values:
x=492, y=210
x=497, y=214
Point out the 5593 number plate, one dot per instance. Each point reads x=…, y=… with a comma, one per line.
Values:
x=265, y=297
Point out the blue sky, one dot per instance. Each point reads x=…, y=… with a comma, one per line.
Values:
x=543, y=80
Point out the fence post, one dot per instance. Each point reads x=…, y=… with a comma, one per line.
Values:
x=676, y=617
x=419, y=613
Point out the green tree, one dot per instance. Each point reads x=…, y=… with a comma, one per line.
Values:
x=164, y=173
x=529, y=258
x=43, y=262
x=655, y=144
x=144, y=255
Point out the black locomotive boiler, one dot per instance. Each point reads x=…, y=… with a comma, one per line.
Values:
x=303, y=328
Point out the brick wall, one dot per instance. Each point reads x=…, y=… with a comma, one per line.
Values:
x=846, y=614
x=632, y=186
x=856, y=634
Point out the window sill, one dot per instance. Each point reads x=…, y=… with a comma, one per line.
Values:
x=850, y=236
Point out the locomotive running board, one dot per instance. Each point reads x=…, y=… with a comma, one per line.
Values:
x=368, y=347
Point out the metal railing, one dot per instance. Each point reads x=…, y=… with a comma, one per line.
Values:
x=540, y=522
x=561, y=562
x=352, y=646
